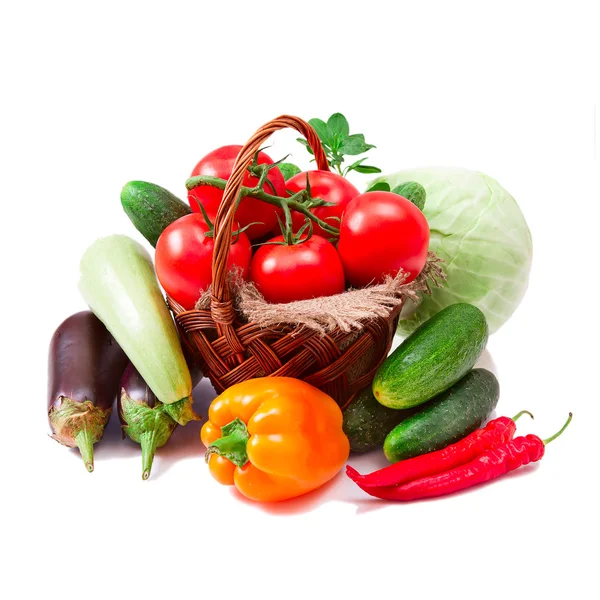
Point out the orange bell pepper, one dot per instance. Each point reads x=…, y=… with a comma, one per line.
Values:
x=274, y=438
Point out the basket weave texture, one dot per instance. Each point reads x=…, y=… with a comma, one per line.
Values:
x=231, y=349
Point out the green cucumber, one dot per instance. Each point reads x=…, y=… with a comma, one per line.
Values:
x=451, y=416
x=432, y=358
x=366, y=422
x=151, y=208
x=119, y=285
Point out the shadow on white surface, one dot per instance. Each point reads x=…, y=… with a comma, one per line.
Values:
x=185, y=441
x=112, y=445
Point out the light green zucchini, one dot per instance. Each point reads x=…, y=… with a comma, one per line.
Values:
x=119, y=284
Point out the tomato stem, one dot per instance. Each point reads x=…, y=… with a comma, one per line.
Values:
x=300, y=202
x=262, y=172
x=286, y=227
x=209, y=223
x=211, y=226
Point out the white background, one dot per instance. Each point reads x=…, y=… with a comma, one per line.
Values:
x=96, y=94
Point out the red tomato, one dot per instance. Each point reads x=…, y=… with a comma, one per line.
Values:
x=309, y=269
x=327, y=186
x=380, y=234
x=183, y=258
x=219, y=163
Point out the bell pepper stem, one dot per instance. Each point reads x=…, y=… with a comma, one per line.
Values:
x=232, y=443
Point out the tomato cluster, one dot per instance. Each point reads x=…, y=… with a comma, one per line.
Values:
x=380, y=233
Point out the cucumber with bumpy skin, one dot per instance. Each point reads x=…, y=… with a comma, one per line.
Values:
x=151, y=208
x=434, y=357
x=448, y=418
x=366, y=422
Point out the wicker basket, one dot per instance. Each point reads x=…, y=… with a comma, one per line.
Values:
x=231, y=350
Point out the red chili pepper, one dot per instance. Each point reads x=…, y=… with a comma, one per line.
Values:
x=493, y=463
x=495, y=432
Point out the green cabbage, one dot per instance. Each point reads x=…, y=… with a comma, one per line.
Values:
x=480, y=232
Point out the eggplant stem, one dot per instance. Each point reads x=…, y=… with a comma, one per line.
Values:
x=149, y=443
x=86, y=448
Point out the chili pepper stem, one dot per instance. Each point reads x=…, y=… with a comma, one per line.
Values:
x=86, y=448
x=553, y=437
x=520, y=414
x=232, y=444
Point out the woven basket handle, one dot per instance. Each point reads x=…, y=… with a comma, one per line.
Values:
x=221, y=307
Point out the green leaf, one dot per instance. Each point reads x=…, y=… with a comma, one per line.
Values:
x=367, y=169
x=381, y=186
x=338, y=124
x=355, y=144
x=337, y=143
x=355, y=164
x=305, y=144
x=323, y=131
x=288, y=170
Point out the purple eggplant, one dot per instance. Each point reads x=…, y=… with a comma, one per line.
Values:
x=142, y=415
x=85, y=365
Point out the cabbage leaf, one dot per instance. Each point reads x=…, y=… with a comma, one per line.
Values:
x=480, y=232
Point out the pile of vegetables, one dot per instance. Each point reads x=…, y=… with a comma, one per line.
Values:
x=303, y=235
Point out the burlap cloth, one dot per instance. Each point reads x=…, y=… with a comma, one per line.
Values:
x=348, y=312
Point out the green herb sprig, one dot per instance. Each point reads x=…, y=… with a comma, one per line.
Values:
x=338, y=143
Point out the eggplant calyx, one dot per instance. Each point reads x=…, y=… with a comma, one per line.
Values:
x=182, y=411
x=78, y=424
x=151, y=427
